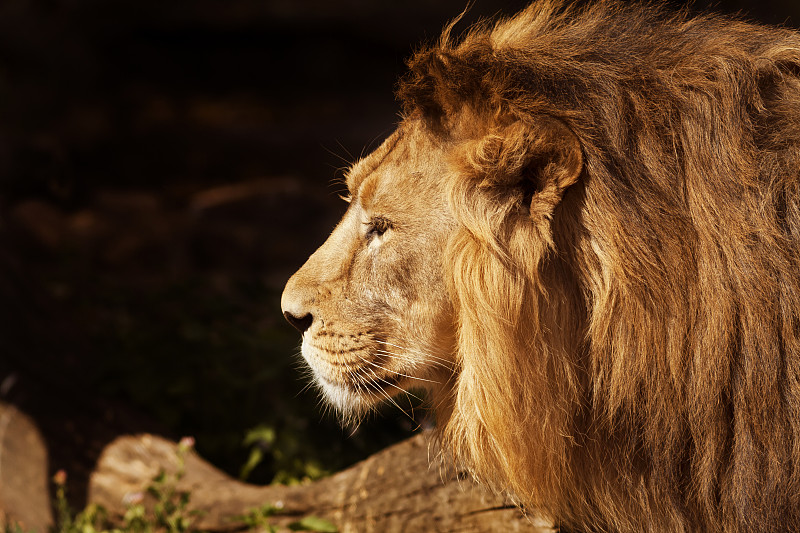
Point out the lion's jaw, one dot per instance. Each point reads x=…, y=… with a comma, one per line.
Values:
x=371, y=302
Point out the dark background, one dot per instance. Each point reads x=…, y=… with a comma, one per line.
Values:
x=164, y=168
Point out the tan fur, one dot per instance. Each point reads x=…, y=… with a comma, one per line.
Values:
x=592, y=256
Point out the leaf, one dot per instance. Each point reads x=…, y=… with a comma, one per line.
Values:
x=256, y=456
x=262, y=435
x=312, y=523
x=184, y=499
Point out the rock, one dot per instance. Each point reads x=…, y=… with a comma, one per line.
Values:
x=24, y=495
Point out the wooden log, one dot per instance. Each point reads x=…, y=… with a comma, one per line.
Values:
x=24, y=496
x=395, y=490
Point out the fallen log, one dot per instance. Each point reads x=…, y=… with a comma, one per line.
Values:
x=395, y=490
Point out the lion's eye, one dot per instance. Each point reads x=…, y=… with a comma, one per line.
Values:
x=377, y=226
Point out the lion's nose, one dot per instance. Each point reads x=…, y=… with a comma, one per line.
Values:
x=298, y=299
x=300, y=323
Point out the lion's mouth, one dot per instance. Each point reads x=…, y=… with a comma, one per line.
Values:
x=356, y=395
x=363, y=375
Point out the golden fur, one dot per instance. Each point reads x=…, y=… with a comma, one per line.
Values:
x=585, y=238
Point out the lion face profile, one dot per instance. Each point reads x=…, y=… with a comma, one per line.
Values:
x=371, y=302
x=584, y=240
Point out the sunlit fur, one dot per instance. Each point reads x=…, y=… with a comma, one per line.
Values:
x=629, y=359
x=589, y=254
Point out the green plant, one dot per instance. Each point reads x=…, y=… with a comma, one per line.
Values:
x=287, y=453
x=167, y=510
x=259, y=519
x=312, y=523
x=12, y=527
x=170, y=510
x=170, y=513
x=259, y=440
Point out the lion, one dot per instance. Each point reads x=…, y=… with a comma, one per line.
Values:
x=583, y=240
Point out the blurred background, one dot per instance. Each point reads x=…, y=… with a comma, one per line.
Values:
x=164, y=168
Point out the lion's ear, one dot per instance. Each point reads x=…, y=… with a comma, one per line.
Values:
x=538, y=161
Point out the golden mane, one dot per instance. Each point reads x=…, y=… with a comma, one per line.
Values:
x=629, y=355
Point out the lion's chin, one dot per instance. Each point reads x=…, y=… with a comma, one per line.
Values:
x=348, y=401
x=351, y=400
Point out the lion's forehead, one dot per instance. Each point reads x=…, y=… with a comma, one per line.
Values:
x=366, y=166
x=405, y=157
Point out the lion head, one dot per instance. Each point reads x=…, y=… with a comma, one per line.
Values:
x=583, y=240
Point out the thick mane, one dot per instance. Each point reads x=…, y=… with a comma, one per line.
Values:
x=634, y=363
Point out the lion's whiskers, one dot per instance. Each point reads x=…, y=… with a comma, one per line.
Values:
x=414, y=363
x=386, y=394
x=379, y=367
x=395, y=356
x=446, y=363
x=371, y=381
